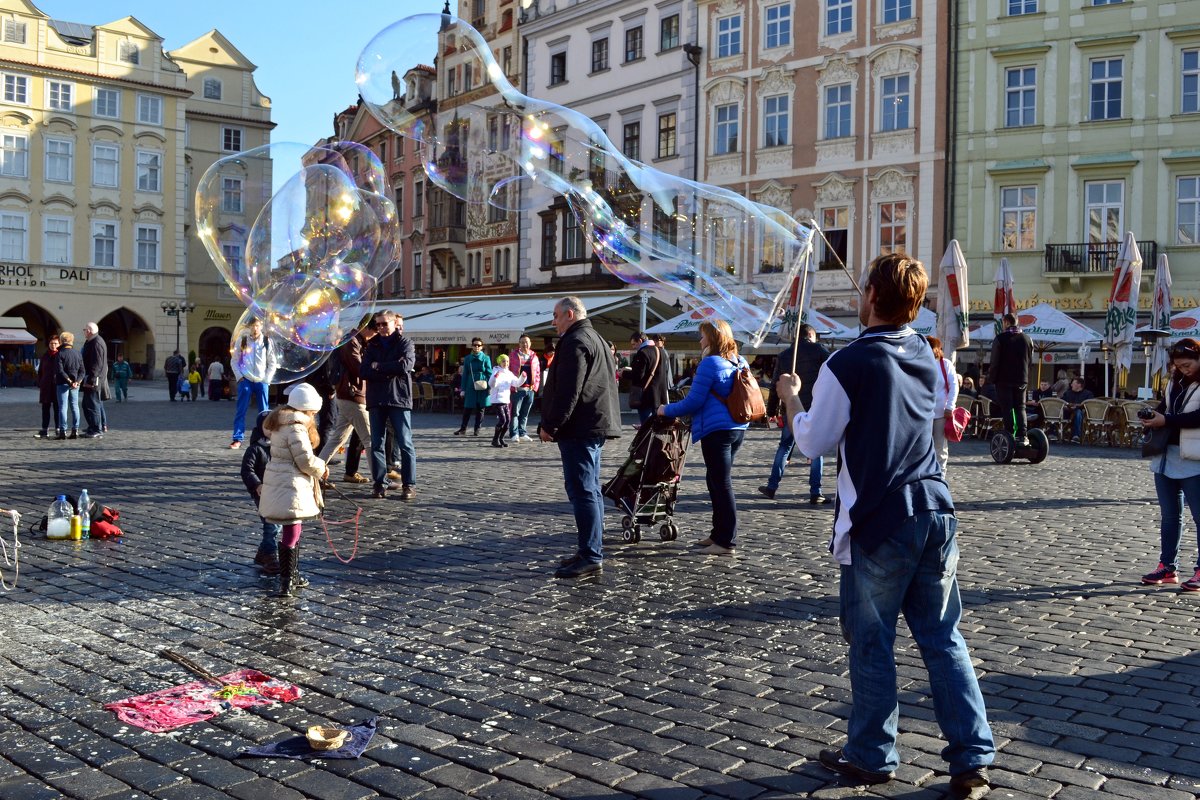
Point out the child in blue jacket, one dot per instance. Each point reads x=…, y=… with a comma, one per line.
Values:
x=254, y=463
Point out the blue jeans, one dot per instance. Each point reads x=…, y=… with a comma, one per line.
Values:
x=914, y=571
x=1171, y=494
x=581, y=474
x=787, y=443
x=245, y=390
x=68, y=407
x=522, y=404
x=401, y=419
x=270, y=531
x=93, y=411
x=718, y=449
x=1077, y=424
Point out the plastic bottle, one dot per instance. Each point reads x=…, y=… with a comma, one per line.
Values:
x=85, y=518
x=58, y=519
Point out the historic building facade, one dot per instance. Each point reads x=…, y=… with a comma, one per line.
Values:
x=840, y=118
x=1077, y=120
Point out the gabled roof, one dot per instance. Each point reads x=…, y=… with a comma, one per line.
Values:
x=200, y=51
x=129, y=25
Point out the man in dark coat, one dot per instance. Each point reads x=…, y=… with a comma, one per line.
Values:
x=68, y=375
x=173, y=366
x=580, y=409
x=809, y=358
x=47, y=395
x=1012, y=351
x=95, y=380
x=387, y=365
x=647, y=377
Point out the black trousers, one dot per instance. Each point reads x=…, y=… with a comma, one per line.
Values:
x=173, y=383
x=1011, y=398
x=93, y=410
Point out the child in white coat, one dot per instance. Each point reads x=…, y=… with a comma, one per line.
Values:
x=501, y=384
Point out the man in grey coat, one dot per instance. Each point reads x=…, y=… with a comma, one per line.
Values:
x=95, y=380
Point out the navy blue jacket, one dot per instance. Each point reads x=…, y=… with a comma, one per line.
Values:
x=69, y=368
x=254, y=460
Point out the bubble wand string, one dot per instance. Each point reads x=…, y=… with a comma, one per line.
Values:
x=14, y=561
x=355, y=519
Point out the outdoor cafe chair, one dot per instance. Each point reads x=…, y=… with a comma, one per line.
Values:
x=1129, y=425
x=1052, y=416
x=986, y=420
x=1097, y=427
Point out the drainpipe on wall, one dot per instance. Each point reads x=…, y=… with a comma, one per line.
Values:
x=951, y=122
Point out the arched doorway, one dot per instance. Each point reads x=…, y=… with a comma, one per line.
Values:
x=214, y=345
x=127, y=334
x=38, y=321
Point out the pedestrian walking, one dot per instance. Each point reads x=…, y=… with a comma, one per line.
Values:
x=476, y=368
x=580, y=410
x=216, y=380
x=68, y=377
x=809, y=357
x=122, y=372
x=47, y=387
x=291, y=491
x=894, y=532
x=947, y=396
x=254, y=364
x=351, y=400
x=95, y=381
x=647, y=377
x=388, y=361
x=194, y=383
x=712, y=425
x=174, y=366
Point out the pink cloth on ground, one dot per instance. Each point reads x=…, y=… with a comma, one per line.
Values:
x=168, y=709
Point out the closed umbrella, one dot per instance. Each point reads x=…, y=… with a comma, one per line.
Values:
x=1003, y=302
x=952, y=300
x=1160, y=318
x=1120, y=324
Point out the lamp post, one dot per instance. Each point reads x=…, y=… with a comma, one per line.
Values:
x=1150, y=338
x=177, y=310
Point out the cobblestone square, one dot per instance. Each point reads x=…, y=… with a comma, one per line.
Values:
x=672, y=676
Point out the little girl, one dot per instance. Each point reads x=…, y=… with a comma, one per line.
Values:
x=291, y=490
x=501, y=384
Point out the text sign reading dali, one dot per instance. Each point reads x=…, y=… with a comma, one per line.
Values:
x=36, y=277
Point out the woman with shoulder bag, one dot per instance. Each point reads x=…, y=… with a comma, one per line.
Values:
x=713, y=426
x=943, y=409
x=1177, y=471
x=476, y=369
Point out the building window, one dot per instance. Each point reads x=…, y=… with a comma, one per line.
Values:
x=558, y=68
x=725, y=244
x=555, y=157
x=572, y=237
x=233, y=256
x=1018, y=218
x=14, y=155
x=1189, y=96
x=416, y=271
x=107, y=104
x=56, y=240
x=1105, y=86
x=668, y=33
x=451, y=82
x=419, y=199
x=666, y=135
x=231, y=140
x=231, y=195
x=147, y=237
x=150, y=109
x=896, y=10
x=775, y=121
x=469, y=76
x=14, y=32
x=149, y=171
x=498, y=205
x=212, y=89
x=839, y=17
x=835, y=224
x=633, y=44
x=1019, y=7
x=60, y=158
x=16, y=89
x=1105, y=210
x=1020, y=97
x=771, y=249
x=106, y=162
x=893, y=227
x=549, y=239
x=400, y=202
x=104, y=244
x=507, y=60
x=631, y=140
x=127, y=52
x=59, y=95
x=837, y=111
x=893, y=100
x=1106, y=2
x=726, y=133
x=1187, y=211
x=729, y=36
x=599, y=55
x=778, y=26
x=14, y=237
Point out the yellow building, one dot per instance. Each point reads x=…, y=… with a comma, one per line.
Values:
x=225, y=114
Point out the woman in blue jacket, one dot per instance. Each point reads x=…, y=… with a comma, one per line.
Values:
x=476, y=367
x=712, y=426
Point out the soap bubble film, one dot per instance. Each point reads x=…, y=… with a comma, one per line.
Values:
x=708, y=245
x=287, y=361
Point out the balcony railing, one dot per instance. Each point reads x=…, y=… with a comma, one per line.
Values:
x=1092, y=258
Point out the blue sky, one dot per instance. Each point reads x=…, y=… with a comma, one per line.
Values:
x=305, y=50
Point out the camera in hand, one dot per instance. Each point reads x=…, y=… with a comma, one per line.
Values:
x=1145, y=413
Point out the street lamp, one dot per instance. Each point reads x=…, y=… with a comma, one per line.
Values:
x=177, y=310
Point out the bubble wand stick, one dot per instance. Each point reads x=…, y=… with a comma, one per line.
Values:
x=804, y=286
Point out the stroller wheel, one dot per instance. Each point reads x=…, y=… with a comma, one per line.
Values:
x=637, y=534
x=664, y=532
x=674, y=531
x=626, y=523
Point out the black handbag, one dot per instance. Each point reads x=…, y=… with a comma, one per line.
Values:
x=1154, y=441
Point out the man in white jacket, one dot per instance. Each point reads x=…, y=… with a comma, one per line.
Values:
x=254, y=363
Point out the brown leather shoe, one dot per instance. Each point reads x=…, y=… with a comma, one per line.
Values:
x=356, y=478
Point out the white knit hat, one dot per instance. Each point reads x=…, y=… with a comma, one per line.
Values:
x=304, y=397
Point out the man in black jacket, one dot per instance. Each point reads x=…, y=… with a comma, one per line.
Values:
x=173, y=366
x=1012, y=351
x=68, y=375
x=387, y=366
x=647, y=377
x=580, y=409
x=809, y=358
x=95, y=381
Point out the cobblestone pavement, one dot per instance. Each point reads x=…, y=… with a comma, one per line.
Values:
x=673, y=676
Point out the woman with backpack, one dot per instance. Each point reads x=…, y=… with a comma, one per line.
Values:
x=713, y=425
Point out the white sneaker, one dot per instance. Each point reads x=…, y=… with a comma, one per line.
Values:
x=515, y=440
x=526, y=438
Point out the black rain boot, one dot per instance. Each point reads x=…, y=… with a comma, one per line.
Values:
x=496, y=439
x=500, y=438
x=289, y=570
x=478, y=422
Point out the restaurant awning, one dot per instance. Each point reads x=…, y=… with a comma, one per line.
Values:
x=1046, y=326
x=12, y=331
x=501, y=319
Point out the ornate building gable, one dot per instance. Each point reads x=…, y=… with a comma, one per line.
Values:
x=835, y=189
x=892, y=184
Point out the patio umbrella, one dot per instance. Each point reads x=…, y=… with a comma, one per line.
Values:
x=1003, y=302
x=1160, y=318
x=925, y=323
x=1047, y=327
x=952, y=300
x=1120, y=323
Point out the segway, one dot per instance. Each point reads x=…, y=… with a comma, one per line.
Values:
x=1004, y=447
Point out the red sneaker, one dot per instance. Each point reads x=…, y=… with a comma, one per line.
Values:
x=234, y=445
x=1163, y=574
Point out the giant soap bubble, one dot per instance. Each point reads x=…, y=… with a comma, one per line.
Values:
x=517, y=152
x=318, y=245
x=285, y=360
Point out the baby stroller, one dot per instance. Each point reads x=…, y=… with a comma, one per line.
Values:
x=644, y=488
